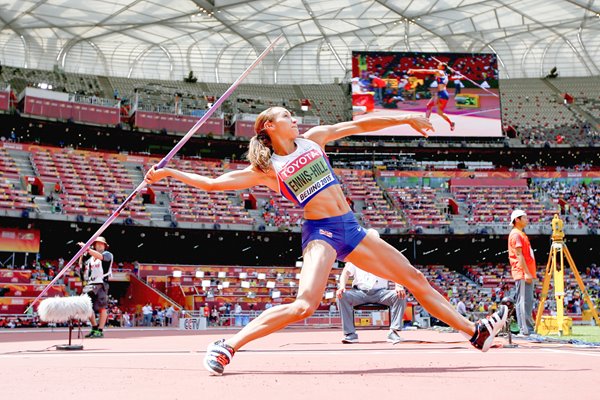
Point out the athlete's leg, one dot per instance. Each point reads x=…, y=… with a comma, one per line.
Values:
x=430, y=105
x=319, y=257
x=441, y=106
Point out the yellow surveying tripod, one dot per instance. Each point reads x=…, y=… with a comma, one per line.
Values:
x=559, y=249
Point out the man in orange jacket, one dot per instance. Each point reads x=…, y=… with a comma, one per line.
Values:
x=522, y=262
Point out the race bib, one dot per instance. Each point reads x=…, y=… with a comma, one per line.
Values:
x=306, y=175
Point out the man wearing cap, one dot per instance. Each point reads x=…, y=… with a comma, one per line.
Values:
x=522, y=262
x=100, y=269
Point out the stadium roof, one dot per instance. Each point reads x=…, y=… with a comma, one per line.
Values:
x=218, y=38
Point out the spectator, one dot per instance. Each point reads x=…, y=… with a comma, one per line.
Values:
x=169, y=315
x=147, y=313
x=332, y=308
x=214, y=316
x=237, y=310
x=522, y=263
x=126, y=320
x=154, y=316
x=160, y=317
x=461, y=307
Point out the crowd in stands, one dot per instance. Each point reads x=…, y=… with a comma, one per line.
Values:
x=476, y=299
x=150, y=315
x=379, y=203
x=482, y=287
x=421, y=206
x=12, y=195
x=580, y=202
x=116, y=318
x=19, y=285
x=280, y=212
x=366, y=197
x=492, y=204
x=39, y=270
x=497, y=277
x=188, y=204
x=476, y=289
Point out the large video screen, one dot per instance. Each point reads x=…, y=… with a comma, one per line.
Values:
x=457, y=91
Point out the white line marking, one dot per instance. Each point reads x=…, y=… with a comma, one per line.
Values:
x=288, y=353
x=478, y=112
x=577, y=353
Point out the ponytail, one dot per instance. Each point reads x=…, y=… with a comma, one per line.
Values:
x=260, y=147
x=259, y=152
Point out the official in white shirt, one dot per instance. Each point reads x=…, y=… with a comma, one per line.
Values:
x=368, y=288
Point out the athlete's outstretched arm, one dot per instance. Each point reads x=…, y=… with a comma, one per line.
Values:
x=234, y=180
x=425, y=71
x=326, y=133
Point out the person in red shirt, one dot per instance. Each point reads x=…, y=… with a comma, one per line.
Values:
x=522, y=262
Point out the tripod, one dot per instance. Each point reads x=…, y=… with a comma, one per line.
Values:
x=507, y=301
x=559, y=249
x=71, y=346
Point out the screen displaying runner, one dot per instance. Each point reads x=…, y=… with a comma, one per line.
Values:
x=457, y=91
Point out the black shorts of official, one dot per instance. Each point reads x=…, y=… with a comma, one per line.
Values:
x=99, y=296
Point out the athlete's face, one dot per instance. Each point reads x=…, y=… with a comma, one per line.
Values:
x=283, y=123
x=441, y=67
x=99, y=246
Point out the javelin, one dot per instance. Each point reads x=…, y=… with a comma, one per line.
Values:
x=473, y=82
x=161, y=164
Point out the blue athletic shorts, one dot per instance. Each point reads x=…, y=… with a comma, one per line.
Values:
x=343, y=233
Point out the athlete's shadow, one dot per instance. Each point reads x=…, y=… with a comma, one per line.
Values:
x=356, y=347
x=415, y=370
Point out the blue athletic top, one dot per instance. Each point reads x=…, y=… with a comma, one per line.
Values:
x=303, y=173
